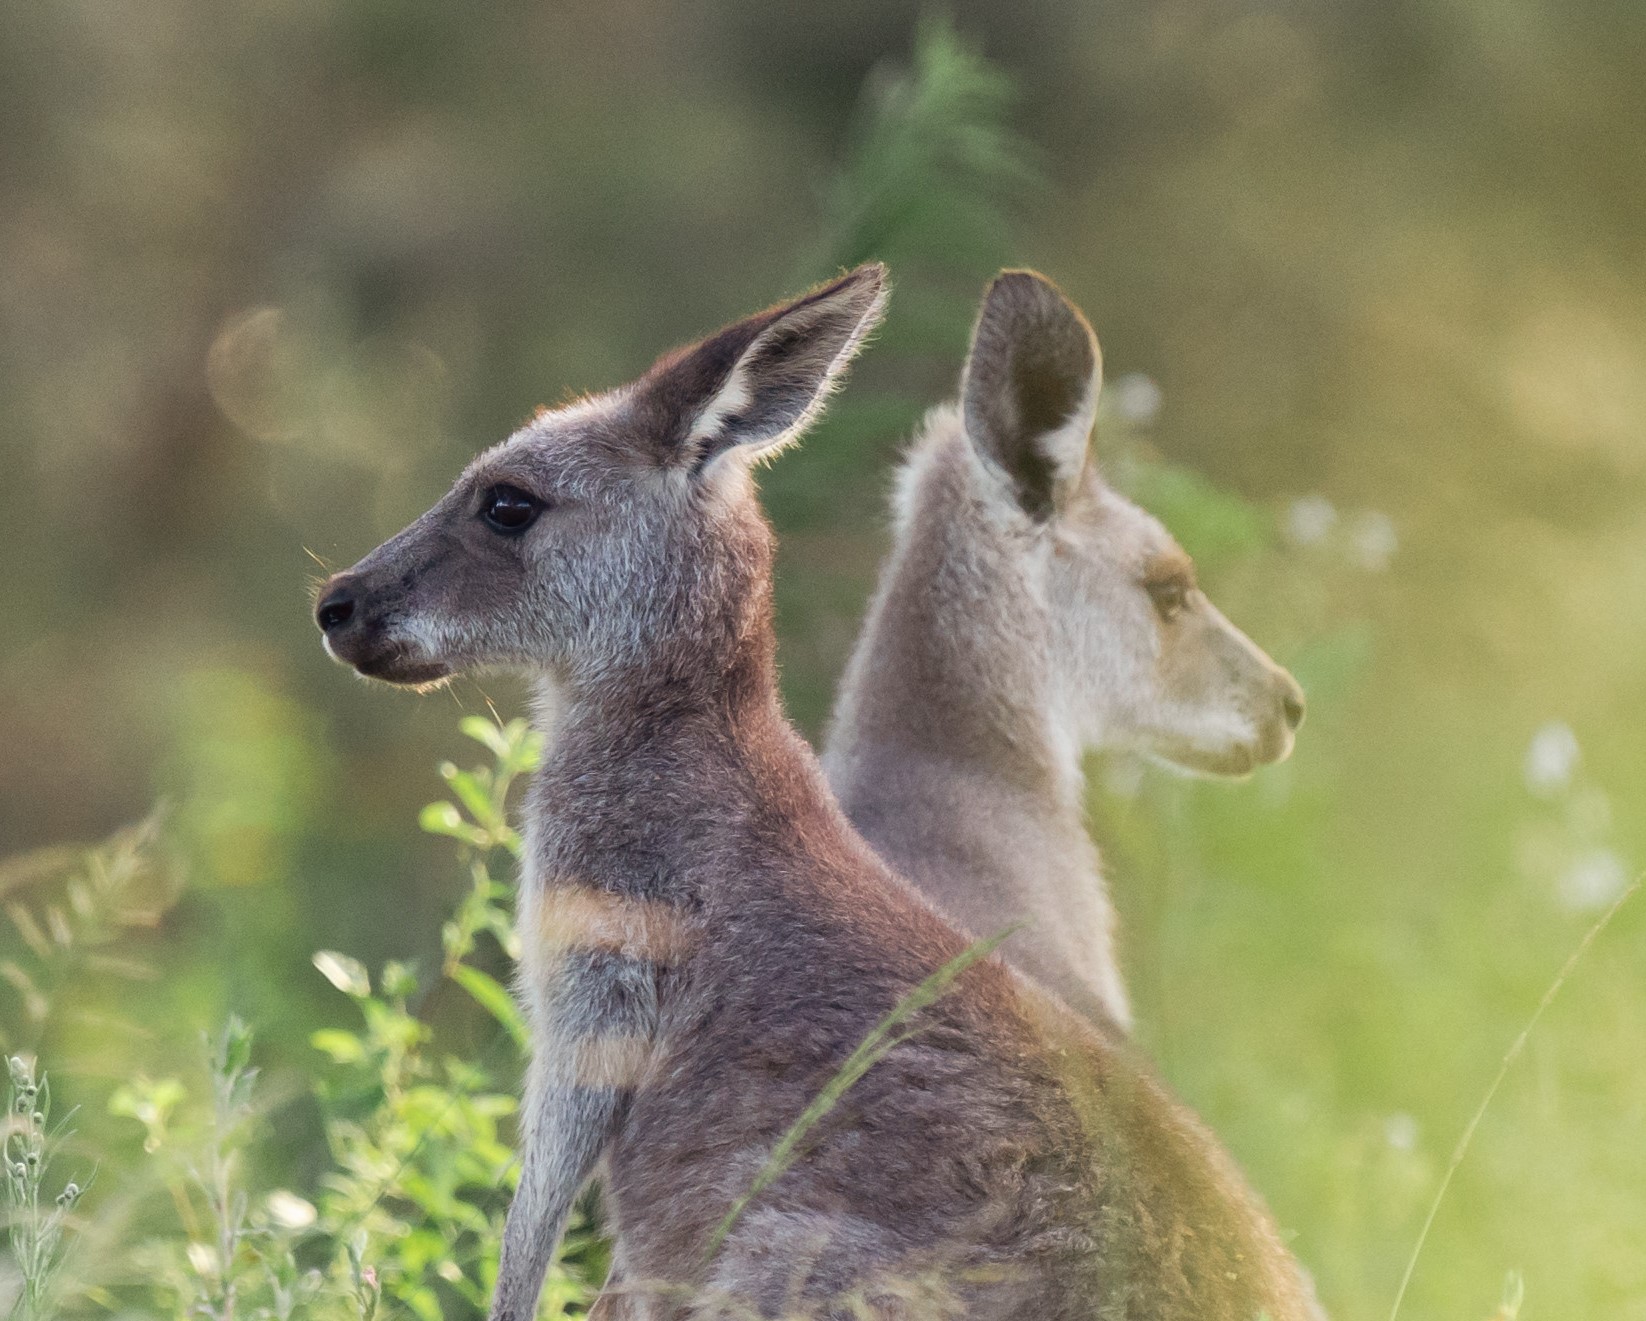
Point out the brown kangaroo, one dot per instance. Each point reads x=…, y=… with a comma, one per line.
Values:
x=707, y=939
x=1028, y=614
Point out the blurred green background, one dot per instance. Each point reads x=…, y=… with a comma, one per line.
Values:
x=1370, y=281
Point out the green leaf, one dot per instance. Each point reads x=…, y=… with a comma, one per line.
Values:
x=399, y=979
x=487, y=732
x=343, y=1047
x=495, y=1000
x=441, y=818
x=234, y=1048
x=474, y=791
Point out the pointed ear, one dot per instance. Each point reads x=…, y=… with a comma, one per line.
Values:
x=758, y=384
x=1029, y=390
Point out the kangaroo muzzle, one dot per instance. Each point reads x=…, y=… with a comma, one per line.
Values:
x=355, y=630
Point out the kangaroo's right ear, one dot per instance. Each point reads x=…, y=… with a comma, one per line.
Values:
x=1029, y=390
x=755, y=386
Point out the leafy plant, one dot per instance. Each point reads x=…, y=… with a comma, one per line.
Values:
x=233, y=1253
x=409, y=1215
x=36, y=1220
x=422, y=1172
x=933, y=179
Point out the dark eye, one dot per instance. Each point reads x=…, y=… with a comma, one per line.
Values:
x=1170, y=596
x=509, y=510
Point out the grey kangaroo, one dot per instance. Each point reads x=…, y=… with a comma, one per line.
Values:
x=707, y=939
x=1028, y=615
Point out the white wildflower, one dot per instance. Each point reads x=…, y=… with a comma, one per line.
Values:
x=1135, y=398
x=1551, y=759
x=1400, y=1131
x=1310, y=520
x=1373, y=540
x=290, y=1211
x=1592, y=881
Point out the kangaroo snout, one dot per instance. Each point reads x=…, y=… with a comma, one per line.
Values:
x=1292, y=702
x=336, y=608
x=1279, y=729
x=357, y=636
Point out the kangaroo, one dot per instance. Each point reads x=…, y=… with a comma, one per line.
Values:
x=1028, y=614
x=706, y=939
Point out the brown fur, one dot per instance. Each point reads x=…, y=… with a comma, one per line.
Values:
x=723, y=939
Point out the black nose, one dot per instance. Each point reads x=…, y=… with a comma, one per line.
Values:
x=336, y=608
x=1291, y=703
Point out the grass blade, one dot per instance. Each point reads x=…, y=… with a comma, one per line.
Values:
x=874, y=1047
x=1509, y=1058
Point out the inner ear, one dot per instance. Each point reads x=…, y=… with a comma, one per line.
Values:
x=757, y=385
x=1029, y=391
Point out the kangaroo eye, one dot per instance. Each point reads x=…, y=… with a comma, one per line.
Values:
x=1170, y=596
x=509, y=510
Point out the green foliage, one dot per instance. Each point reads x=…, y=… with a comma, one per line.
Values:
x=934, y=179
x=421, y=1172
x=232, y=1252
x=408, y=1215
x=36, y=1221
x=479, y=823
x=1285, y=218
x=68, y=909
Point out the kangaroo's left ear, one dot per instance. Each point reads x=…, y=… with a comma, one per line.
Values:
x=758, y=384
x=1029, y=390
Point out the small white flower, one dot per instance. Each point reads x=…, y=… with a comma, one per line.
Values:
x=1373, y=540
x=1593, y=880
x=1136, y=399
x=1551, y=759
x=1310, y=520
x=1400, y=1131
x=290, y=1211
x=346, y=974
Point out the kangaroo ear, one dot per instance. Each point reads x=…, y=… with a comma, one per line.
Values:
x=758, y=384
x=1029, y=390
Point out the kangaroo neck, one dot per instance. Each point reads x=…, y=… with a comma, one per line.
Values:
x=954, y=663
x=646, y=766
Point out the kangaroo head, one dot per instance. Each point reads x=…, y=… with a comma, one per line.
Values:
x=615, y=534
x=1140, y=658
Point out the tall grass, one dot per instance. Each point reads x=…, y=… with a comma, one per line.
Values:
x=1515, y=1288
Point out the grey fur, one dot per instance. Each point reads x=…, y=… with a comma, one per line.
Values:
x=707, y=938
x=1012, y=632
